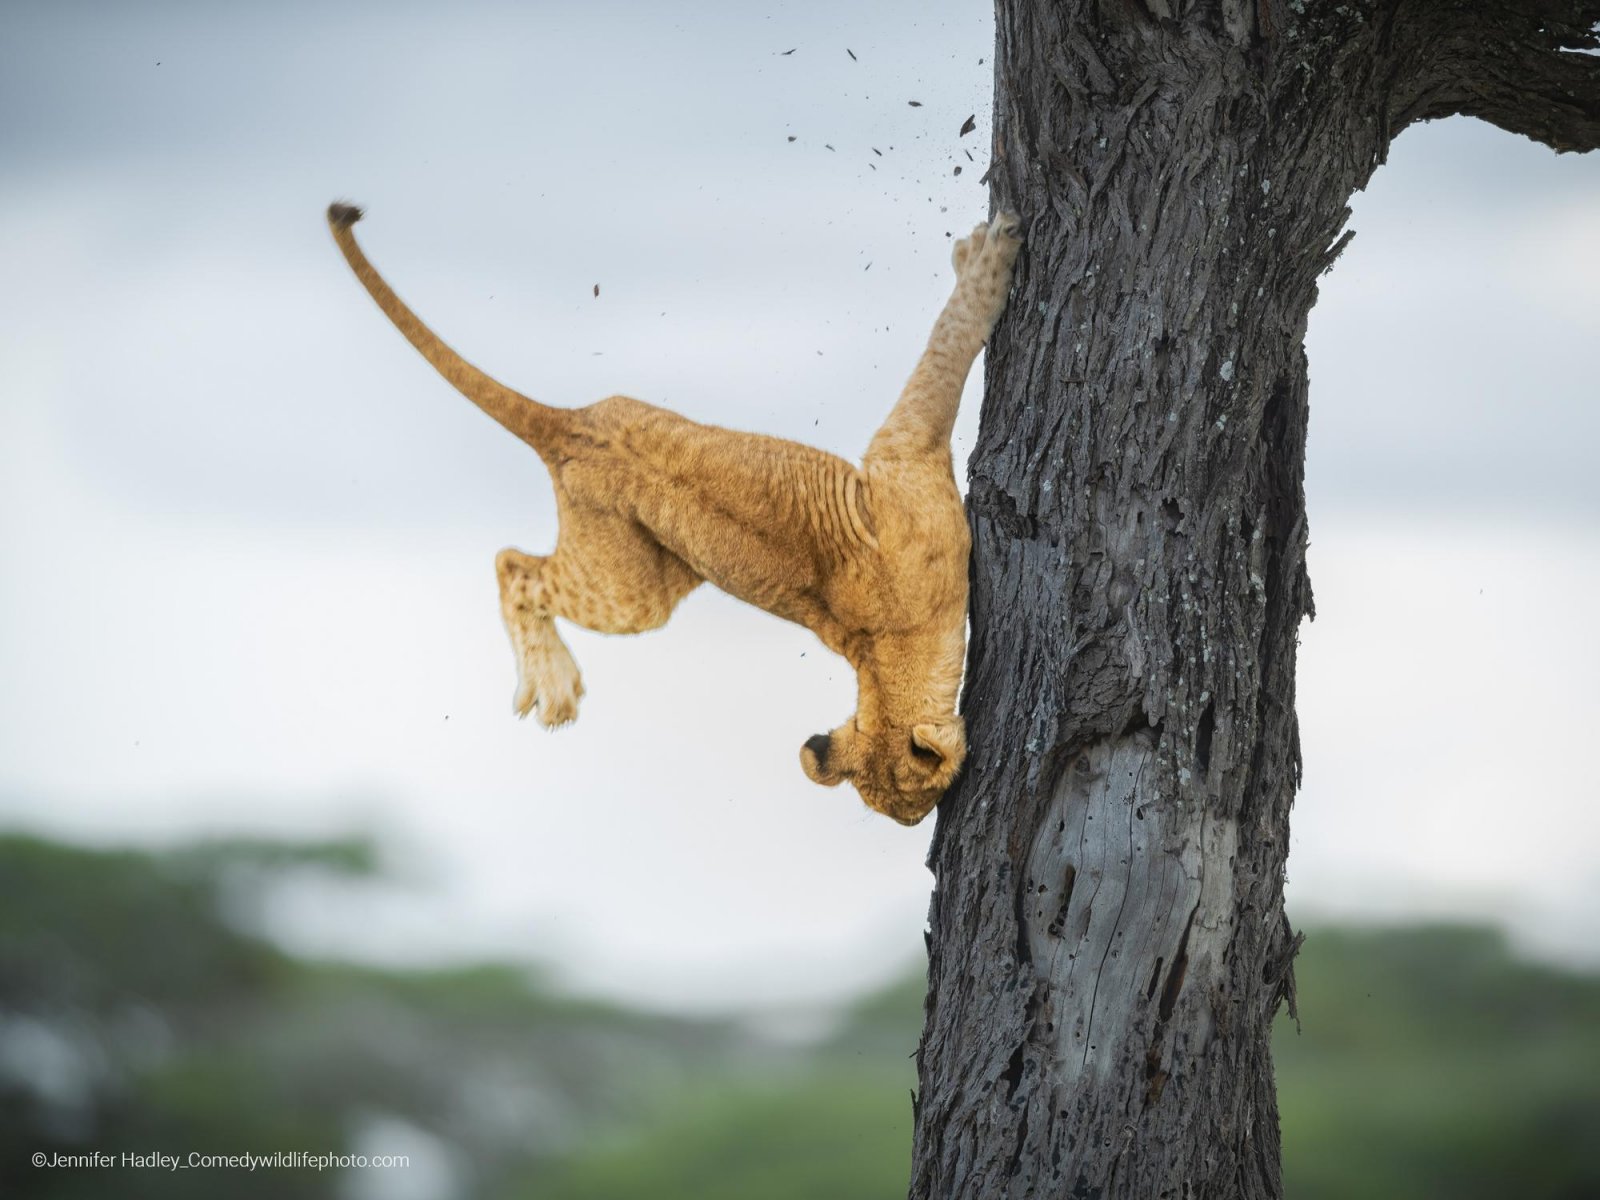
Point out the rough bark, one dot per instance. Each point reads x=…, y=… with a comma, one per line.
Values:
x=1108, y=944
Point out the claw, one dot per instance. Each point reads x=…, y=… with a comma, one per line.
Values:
x=559, y=712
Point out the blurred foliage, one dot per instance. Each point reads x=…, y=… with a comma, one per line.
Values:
x=1432, y=1063
x=834, y=1134
x=135, y=1015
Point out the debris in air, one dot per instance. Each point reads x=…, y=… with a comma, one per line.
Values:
x=847, y=50
x=791, y=137
x=968, y=125
x=786, y=53
x=958, y=170
x=878, y=152
x=597, y=289
x=825, y=146
x=914, y=103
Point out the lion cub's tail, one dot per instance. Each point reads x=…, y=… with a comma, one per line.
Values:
x=535, y=423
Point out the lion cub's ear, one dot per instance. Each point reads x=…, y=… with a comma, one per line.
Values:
x=940, y=747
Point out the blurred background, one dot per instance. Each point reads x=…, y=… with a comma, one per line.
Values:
x=280, y=871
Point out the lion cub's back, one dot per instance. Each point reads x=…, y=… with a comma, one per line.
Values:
x=745, y=510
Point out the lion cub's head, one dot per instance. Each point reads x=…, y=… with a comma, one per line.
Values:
x=900, y=771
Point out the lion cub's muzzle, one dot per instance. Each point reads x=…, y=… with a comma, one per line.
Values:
x=827, y=759
x=818, y=744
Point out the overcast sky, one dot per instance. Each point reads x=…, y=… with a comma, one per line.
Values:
x=247, y=536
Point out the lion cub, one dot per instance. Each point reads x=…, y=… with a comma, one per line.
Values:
x=872, y=559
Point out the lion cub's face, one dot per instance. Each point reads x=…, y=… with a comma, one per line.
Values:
x=900, y=771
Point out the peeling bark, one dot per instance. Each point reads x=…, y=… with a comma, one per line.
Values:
x=1108, y=943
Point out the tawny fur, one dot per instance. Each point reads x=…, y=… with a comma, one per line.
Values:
x=872, y=559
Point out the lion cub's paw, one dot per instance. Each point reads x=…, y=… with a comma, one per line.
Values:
x=1001, y=245
x=989, y=248
x=986, y=272
x=548, y=680
x=964, y=249
x=559, y=708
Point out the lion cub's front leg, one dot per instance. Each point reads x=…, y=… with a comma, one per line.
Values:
x=921, y=421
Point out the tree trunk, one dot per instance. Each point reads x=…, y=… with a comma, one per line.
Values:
x=1108, y=943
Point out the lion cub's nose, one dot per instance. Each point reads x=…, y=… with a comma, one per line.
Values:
x=819, y=744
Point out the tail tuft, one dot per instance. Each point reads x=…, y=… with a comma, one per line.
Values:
x=342, y=216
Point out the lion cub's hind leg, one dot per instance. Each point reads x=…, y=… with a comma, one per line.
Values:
x=547, y=676
x=607, y=574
